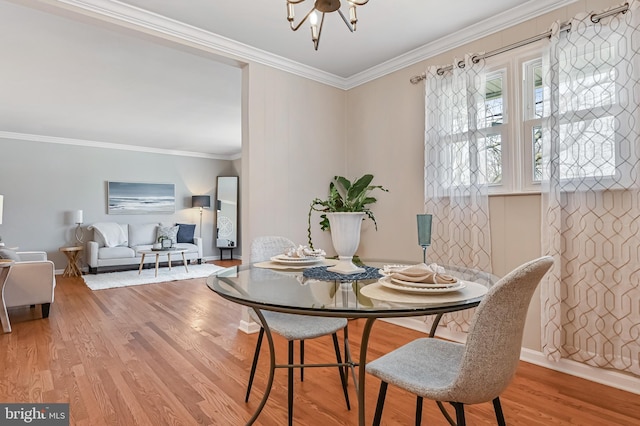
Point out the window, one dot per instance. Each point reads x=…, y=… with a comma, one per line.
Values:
x=592, y=122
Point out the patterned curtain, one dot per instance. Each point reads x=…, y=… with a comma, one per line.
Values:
x=591, y=192
x=455, y=171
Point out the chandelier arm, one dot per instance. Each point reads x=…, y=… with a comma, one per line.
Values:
x=295, y=28
x=356, y=3
x=297, y=1
x=316, y=43
x=346, y=21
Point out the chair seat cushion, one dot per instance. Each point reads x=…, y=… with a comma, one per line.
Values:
x=300, y=327
x=426, y=367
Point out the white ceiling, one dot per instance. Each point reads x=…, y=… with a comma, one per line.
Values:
x=66, y=77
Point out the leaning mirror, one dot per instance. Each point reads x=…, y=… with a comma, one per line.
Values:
x=227, y=213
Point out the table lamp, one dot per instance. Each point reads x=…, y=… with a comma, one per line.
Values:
x=424, y=233
x=202, y=201
x=78, y=220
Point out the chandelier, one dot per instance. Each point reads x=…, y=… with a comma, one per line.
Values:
x=323, y=7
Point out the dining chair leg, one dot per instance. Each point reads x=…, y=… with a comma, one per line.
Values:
x=418, y=411
x=380, y=405
x=254, y=364
x=460, y=421
x=498, y=409
x=290, y=376
x=302, y=360
x=342, y=373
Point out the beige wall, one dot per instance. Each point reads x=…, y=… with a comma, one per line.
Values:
x=293, y=143
x=385, y=134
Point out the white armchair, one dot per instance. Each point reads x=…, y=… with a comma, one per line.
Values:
x=31, y=281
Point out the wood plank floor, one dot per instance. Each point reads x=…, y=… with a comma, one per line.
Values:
x=171, y=354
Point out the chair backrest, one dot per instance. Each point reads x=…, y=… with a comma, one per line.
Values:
x=494, y=341
x=264, y=248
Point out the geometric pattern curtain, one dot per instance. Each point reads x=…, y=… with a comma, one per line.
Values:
x=455, y=171
x=591, y=192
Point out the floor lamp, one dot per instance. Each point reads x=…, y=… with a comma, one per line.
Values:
x=424, y=233
x=202, y=201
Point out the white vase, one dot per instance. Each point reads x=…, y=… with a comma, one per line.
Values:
x=345, y=236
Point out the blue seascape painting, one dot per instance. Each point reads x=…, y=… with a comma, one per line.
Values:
x=141, y=198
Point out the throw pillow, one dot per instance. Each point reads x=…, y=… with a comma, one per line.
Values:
x=9, y=254
x=186, y=232
x=170, y=232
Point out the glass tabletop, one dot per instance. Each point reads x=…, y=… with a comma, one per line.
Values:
x=293, y=292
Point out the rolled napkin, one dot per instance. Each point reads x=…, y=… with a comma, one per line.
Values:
x=422, y=273
x=304, y=251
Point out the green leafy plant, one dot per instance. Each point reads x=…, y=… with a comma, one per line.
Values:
x=344, y=196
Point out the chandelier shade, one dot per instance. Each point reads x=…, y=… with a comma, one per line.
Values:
x=323, y=7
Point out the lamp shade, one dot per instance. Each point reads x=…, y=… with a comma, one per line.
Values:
x=1, y=202
x=77, y=217
x=424, y=229
x=200, y=201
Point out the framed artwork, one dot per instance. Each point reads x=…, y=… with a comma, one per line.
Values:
x=141, y=198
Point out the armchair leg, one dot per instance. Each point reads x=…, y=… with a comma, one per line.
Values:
x=254, y=364
x=498, y=409
x=45, y=310
x=381, y=395
x=460, y=421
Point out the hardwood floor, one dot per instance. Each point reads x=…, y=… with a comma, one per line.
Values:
x=171, y=354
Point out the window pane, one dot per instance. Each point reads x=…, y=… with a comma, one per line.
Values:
x=587, y=149
x=538, y=91
x=536, y=137
x=493, y=106
x=589, y=81
x=490, y=157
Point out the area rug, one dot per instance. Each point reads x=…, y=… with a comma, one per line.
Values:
x=130, y=278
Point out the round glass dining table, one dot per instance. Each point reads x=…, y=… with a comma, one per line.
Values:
x=370, y=295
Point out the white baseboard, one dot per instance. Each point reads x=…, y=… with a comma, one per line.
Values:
x=614, y=379
x=248, y=327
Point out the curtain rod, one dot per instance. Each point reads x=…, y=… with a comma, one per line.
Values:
x=595, y=18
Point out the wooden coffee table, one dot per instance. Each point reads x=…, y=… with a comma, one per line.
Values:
x=159, y=253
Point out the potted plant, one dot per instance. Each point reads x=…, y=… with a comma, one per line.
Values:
x=342, y=213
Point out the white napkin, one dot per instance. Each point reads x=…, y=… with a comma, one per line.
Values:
x=304, y=251
x=421, y=273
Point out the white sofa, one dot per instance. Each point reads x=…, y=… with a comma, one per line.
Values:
x=138, y=237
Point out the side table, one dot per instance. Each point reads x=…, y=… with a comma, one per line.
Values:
x=226, y=248
x=72, y=269
x=5, y=267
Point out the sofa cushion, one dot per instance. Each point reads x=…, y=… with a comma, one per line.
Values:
x=185, y=232
x=140, y=234
x=115, y=253
x=170, y=232
x=6, y=253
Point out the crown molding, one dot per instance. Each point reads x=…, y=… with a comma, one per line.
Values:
x=133, y=17
x=502, y=21
x=107, y=145
x=143, y=20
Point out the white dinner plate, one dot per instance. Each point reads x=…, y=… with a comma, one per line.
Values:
x=386, y=282
x=423, y=285
x=287, y=260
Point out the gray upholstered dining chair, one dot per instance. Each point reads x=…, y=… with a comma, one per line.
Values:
x=470, y=373
x=290, y=326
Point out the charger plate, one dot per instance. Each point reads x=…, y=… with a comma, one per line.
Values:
x=377, y=291
x=269, y=264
